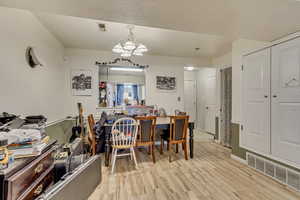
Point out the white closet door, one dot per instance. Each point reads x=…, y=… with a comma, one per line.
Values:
x=256, y=102
x=190, y=104
x=210, y=100
x=286, y=101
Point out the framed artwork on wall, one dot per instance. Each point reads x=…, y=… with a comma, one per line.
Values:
x=81, y=82
x=166, y=83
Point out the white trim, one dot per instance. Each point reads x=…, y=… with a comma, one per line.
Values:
x=234, y=157
x=287, y=169
x=286, y=162
x=275, y=42
x=57, y=121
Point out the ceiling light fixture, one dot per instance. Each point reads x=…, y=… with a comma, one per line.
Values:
x=126, y=69
x=130, y=47
x=189, y=68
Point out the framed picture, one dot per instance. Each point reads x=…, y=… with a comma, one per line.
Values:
x=81, y=82
x=166, y=83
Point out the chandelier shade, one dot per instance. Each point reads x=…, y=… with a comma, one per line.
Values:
x=130, y=47
x=118, y=48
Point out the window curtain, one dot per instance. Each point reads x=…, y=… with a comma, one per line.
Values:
x=120, y=94
x=135, y=92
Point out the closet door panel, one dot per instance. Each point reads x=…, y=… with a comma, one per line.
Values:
x=286, y=101
x=256, y=102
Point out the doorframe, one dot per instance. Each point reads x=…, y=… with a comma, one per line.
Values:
x=219, y=93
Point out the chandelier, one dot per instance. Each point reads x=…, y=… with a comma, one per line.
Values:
x=130, y=47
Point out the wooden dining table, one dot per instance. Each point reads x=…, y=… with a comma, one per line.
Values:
x=161, y=123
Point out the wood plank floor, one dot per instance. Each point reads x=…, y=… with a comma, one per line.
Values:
x=212, y=175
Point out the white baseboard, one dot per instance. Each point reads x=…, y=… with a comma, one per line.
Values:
x=238, y=159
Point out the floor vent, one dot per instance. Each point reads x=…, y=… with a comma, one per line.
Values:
x=276, y=171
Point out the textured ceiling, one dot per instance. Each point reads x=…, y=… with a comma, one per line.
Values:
x=84, y=33
x=251, y=19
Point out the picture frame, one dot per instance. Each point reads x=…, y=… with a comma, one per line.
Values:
x=81, y=82
x=166, y=83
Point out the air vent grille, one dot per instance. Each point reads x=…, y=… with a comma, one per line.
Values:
x=270, y=169
x=260, y=165
x=278, y=172
x=251, y=160
x=293, y=180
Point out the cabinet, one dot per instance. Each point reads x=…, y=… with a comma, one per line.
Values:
x=27, y=178
x=256, y=101
x=286, y=101
x=271, y=102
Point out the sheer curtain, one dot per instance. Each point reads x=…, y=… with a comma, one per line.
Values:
x=120, y=94
x=135, y=92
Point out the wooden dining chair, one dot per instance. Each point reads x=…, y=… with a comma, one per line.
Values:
x=177, y=135
x=123, y=134
x=179, y=113
x=92, y=134
x=146, y=133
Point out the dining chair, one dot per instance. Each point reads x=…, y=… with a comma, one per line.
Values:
x=179, y=112
x=91, y=134
x=177, y=135
x=124, y=132
x=166, y=131
x=146, y=133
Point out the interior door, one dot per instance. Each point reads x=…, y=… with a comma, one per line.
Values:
x=190, y=103
x=255, y=133
x=286, y=101
x=210, y=100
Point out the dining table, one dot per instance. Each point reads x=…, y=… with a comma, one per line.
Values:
x=162, y=123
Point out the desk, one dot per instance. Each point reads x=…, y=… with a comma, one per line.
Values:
x=26, y=176
x=161, y=123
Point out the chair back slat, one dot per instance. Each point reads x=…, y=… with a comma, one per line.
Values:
x=145, y=130
x=147, y=125
x=179, y=128
x=179, y=125
x=124, y=132
x=92, y=135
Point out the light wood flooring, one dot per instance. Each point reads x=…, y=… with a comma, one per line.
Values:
x=212, y=174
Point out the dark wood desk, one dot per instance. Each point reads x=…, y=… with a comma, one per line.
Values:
x=161, y=123
x=27, y=176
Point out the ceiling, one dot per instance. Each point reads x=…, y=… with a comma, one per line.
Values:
x=264, y=20
x=84, y=33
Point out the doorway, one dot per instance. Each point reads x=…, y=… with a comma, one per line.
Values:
x=226, y=105
x=190, y=100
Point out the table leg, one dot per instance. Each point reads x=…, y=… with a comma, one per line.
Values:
x=107, y=146
x=191, y=129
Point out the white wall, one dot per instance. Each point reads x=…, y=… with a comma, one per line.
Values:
x=159, y=65
x=223, y=61
x=191, y=75
x=239, y=48
x=24, y=90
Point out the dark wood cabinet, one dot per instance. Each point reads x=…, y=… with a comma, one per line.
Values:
x=27, y=178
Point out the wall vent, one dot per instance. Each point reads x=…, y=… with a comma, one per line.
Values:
x=276, y=171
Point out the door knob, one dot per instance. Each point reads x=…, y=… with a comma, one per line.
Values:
x=266, y=96
x=274, y=96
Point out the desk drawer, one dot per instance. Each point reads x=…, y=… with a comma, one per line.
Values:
x=40, y=187
x=22, y=180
